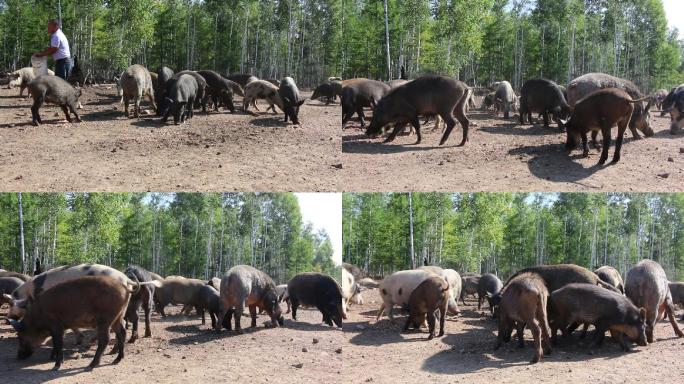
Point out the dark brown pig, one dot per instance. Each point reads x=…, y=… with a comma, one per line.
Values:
x=647, y=286
x=317, y=290
x=469, y=281
x=93, y=302
x=143, y=298
x=606, y=310
x=425, y=96
x=358, y=94
x=53, y=90
x=543, y=97
x=601, y=111
x=177, y=291
x=429, y=296
x=677, y=292
x=523, y=303
x=324, y=90
x=487, y=285
x=242, y=285
x=200, y=96
x=218, y=89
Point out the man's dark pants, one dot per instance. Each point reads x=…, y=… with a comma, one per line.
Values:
x=63, y=68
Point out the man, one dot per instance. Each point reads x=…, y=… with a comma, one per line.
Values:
x=59, y=49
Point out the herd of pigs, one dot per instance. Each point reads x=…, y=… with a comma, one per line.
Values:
x=93, y=296
x=169, y=93
x=543, y=299
x=592, y=103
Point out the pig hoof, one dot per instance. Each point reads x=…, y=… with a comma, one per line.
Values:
x=56, y=368
x=534, y=361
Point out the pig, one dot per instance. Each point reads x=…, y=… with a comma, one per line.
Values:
x=41, y=283
x=351, y=291
x=427, y=95
x=523, y=303
x=452, y=277
x=658, y=97
x=488, y=102
x=219, y=89
x=584, y=86
x=17, y=275
x=396, y=289
x=21, y=77
x=242, y=285
x=606, y=310
x=677, y=292
x=180, y=99
x=135, y=84
x=429, y=296
x=208, y=300
x=320, y=291
x=53, y=90
x=612, y=276
x=674, y=104
x=164, y=74
x=144, y=297
x=100, y=304
x=242, y=79
x=7, y=286
x=289, y=94
x=200, y=99
x=469, y=286
x=487, y=285
x=177, y=291
x=543, y=97
x=261, y=89
x=560, y=275
x=358, y=94
x=326, y=90
x=281, y=290
x=600, y=111
x=505, y=98
x=647, y=286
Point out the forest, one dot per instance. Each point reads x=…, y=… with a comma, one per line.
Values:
x=267, y=38
x=481, y=41
x=503, y=232
x=189, y=234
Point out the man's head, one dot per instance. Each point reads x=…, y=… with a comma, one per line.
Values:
x=53, y=25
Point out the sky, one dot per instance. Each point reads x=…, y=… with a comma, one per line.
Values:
x=324, y=211
x=674, y=9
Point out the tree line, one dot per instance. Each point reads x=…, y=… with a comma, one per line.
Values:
x=270, y=39
x=504, y=232
x=189, y=234
x=481, y=41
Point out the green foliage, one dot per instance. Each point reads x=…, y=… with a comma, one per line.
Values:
x=189, y=234
x=502, y=232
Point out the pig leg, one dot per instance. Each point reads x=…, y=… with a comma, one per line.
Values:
x=398, y=128
x=237, y=316
x=132, y=314
x=536, y=334
x=102, y=341
x=295, y=305
x=57, y=346
x=442, y=317
x=669, y=309
x=542, y=318
x=416, y=125
x=72, y=108
x=409, y=319
x=650, y=324
x=465, y=123
x=585, y=145
x=362, y=117
x=450, y=124
x=150, y=97
x=126, y=102
x=136, y=111
x=480, y=300
x=520, y=333
x=605, y=133
x=546, y=119
x=147, y=308
x=204, y=321
x=120, y=333
x=380, y=312
x=431, y=324
x=594, y=140
x=66, y=113
x=585, y=328
x=253, y=314
x=37, y=103
x=618, y=142
x=212, y=314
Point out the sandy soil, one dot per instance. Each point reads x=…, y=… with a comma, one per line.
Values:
x=502, y=156
x=219, y=152
x=465, y=354
x=182, y=350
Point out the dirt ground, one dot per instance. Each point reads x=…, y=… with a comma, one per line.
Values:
x=465, y=354
x=181, y=350
x=503, y=156
x=219, y=152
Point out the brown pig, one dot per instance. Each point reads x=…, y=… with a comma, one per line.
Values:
x=429, y=296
